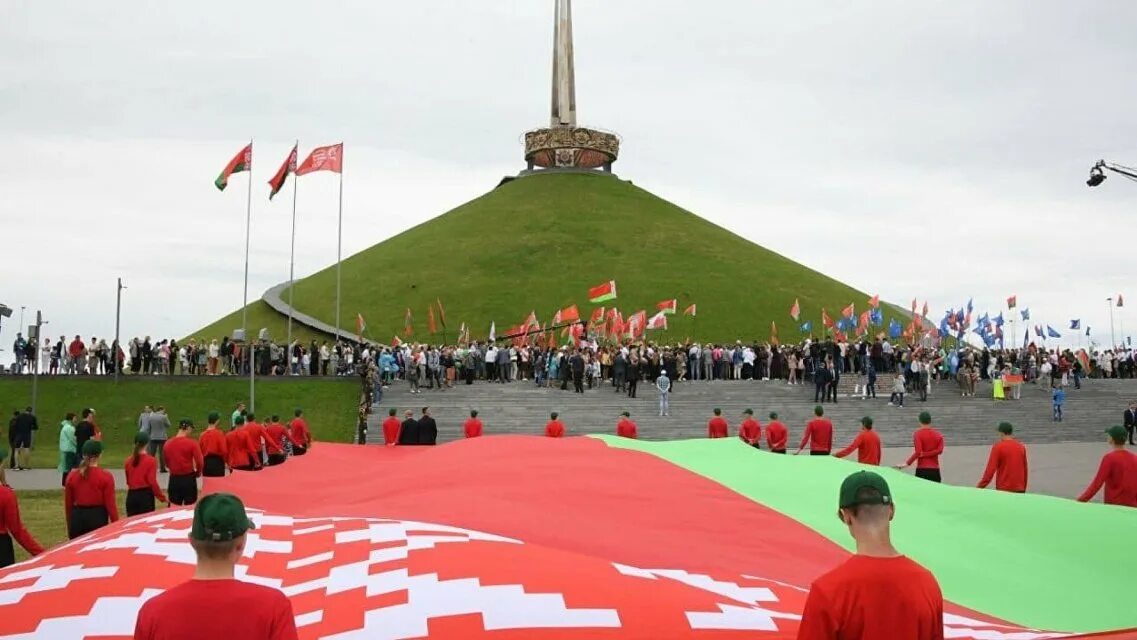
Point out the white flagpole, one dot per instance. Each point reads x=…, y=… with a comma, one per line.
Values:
x=245, y=305
x=292, y=260
x=339, y=249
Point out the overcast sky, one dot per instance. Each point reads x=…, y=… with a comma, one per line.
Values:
x=911, y=150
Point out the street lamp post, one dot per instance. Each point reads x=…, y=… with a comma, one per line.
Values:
x=117, y=321
x=1112, y=338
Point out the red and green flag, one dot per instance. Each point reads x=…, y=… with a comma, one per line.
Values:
x=441, y=313
x=668, y=307
x=569, y=314
x=277, y=181
x=602, y=292
x=690, y=311
x=408, y=324
x=243, y=161
x=795, y=310
x=667, y=552
x=430, y=326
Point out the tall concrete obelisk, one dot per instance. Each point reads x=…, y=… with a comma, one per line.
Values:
x=564, y=145
x=564, y=74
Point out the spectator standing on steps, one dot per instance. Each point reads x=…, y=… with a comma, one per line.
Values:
x=633, y=375
x=1058, y=399
x=663, y=384
x=896, y=399
x=1130, y=418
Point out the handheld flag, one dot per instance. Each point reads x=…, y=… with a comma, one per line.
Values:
x=602, y=292
x=329, y=158
x=1025, y=313
x=597, y=315
x=690, y=311
x=493, y=331
x=795, y=310
x=849, y=311
x=360, y=326
x=1026, y=337
x=441, y=312
x=667, y=307
x=999, y=319
x=569, y=314
x=1119, y=301
x=876, y=316
x=430, y=326
x=874, y=301
x=894, y=328
x=925, y=312
x=1038, y=330
x=1012, y=302
x=408, y=324
x=1075, y=324
x=1050, y=332
x=658, y=321
x=1087, y=330
x=395, y=342
x=825, y=319
x=806, y=326
x=277, y=181
x=243, y=161
x=773, y=333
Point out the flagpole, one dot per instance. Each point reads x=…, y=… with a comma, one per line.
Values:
x=292, y=262
x=339, y=250
x=245, y=305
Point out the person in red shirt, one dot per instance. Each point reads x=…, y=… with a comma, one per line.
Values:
x=242, y=456
x=1007, y=463
x=184, y=459
x=1118, y=472
x=275, y=434
x=214, y=448
x=777, y=435
x=391, y=427
x=717, y=427
x=750, y=431
x=625, y=428
x=555, y=428
x=12, y=527
x=818, y=433
x=927, y=445
x=142, y=478
x=214, y=604
x=88, y=496
x=866, y=444
x=877, y=593
x=299, y=435
x=256, y=432
x=473, y=426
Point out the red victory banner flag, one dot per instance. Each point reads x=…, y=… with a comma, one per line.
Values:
x=597, y=315
x=874, y=301
x=925, y=311
x=658, y=321
x=570, y=314
x=773, y=333
x=430, y=326
x=602, y=292
x=328, y=158
x=849, y=311
x=277, y=181
x=913, y=306
x=243, y=161
x=825, y=319
x=667, y=306
x=795, y=311
x=690, y=311
x=1013, y=302
x=395, y=342
x=441, y=312
x=864, y=320
x=408, y=324
x=360, y=326
x=635, y=324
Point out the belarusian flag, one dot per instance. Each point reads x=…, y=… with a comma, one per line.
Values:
x=570, y=314
x=559, y=562
x=602, y=292
x=441, y=313
x=874, y=301
x=825, y=319
x=396, y=342
x=849, y=311
x=773, y=333
x=277, y=181
x=360, y=326
x=408, y=324
x=667, y=306
x=243, y=161
x=658, y=321
x=430, y=319
x=597, y=315
x=690, y=311
x=795, y=311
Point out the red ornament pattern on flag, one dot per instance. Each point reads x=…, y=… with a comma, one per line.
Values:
x=329, y=158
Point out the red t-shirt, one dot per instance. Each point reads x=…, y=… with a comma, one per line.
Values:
x=274, y=438
x=1007, y=464
x=144, y=474
x=555, y=429
x=391, y=428
x=235, y=610
x=1118, y=472
x=96, y=490
x=777, y=436
x=819, y=435
x=873, y=599
x=212, y=442
x=256, y=433
x=867, y=446
x=928, y=444
x=473, y=428
x=625, y=428
x=300, y=435
x=718, y=427
x=750, y=430
x=11, y=524
x=183, y=456
x=241, y=451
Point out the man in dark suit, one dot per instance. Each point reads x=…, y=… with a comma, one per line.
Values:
x=577, y=363
x=1131, y=420
x=408, y=434
x=427, y=428
x=821, y=382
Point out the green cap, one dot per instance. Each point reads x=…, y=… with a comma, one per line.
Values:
x=392, y=411
x=866, y=422
x=1006, y=427
x=239, y=421
x=139, y=438
x=219, y=517
x=717, y=411
x=748, y=412
x=864, y=480
x=925, y=417
x=1117, y=433
x=185, y=422
x=626, y=414
x=92, y=448
x=773, y=415
x=819, y=410
x=213, y=416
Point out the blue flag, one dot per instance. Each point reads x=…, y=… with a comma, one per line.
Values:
x=1038, y=330
x=876, y=317
x=944, y=329
x=1026, y=337
x=894, y=329
x=1075, y=324
x=806, y=327
x=969, y=305
x=1026, y=314
x=1087, y=330
x=989, y=339
x=1050, y=332
x=999, y=319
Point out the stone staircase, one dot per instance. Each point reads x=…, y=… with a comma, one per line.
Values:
x=521, y=407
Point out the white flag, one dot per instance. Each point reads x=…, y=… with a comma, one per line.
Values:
x=493, y=332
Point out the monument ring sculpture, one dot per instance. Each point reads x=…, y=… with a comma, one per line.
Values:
x=576, y=147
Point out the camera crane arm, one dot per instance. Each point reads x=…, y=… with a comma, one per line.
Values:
x=1097, y=175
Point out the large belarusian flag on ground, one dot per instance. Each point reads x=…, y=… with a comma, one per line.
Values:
x=243, y=161
x=699, y=539
x=602, y=292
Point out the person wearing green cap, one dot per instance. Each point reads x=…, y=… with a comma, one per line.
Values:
x=555, y=428
x=88, y=495
x=1007, y=463
x=717, y=427
x=866, y=444
x=878, y=593
x=141, y=478
x=928, y=445
x=777, y=435
x=1117, y=472
x=472, y=427
x=214, y=448
x=233, y=608
x=818, y=434
x=750, y=431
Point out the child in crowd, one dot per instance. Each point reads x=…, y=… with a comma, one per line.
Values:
x=897, y=397
x=1058, y=397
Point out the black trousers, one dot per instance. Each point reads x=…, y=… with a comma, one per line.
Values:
x=578, y=382
x=929, y=474
x=818, y=453
x=297, y=450
x=275, y=459
x=139, y=501
x=778, y=451
x=86, y=519
x=156, y=448
x=182, y=490
x=1131, y=429
x=632, y=382
x=7, y=551
x=213, y=466
x=819, y=393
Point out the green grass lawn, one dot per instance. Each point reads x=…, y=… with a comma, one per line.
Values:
x=261, y=316
x=329, y=404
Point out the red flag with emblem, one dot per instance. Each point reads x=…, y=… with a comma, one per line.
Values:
x=795, y=310
x=329, y=158
x=825, y=319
